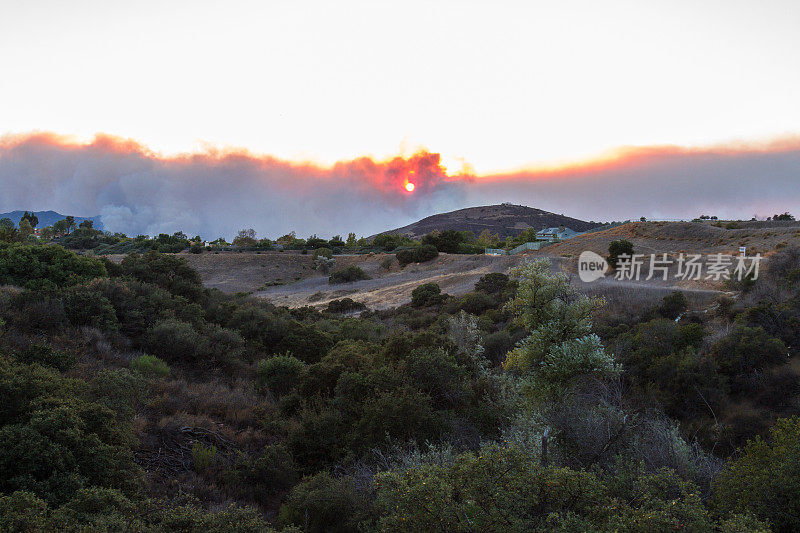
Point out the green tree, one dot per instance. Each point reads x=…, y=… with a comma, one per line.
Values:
x=560, y=345
x=618, y=248
x=32, y=219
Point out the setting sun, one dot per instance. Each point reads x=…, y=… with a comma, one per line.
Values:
x=410, y=187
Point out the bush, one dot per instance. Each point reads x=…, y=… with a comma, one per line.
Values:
x=348, y=275
x=477, y=303
x=746, y=350
x=169, y=272
x=177, y=341
x=672, y=305
x=419, y=254
x=496, y=346
x=279, y=374
x=86, y=307
x=765, y=479
x=426, y=294
x=323, y=504
x=493, y=283
x=45, y=355
x=618, y=248
x=261, y=478
x=149, y=364
x=345, y=305
x=38, y=266
x=327, y=253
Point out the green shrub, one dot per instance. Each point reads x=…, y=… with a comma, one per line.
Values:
x=203, y=457
x=345, y=305
x=744, y=351
x=493, y=283
x=45, y=355
x=426, y=294
x=323, y=504
x=169, y=272
x=40, y=266
x=279, y=374
x=86, y=307
x=327, y=253
x=673, y=305
x=765, y=479
x=149, y=364
x=418, y=254
x=618, y=248
x=348, y=275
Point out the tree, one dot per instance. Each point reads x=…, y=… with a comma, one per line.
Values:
x=560, y=346
x=351, y=240
x=25, y=229
x=86, y=224
x=784, y=216
x=70, y=221
x=618, y=248
x=246, y=238
x=32, y=219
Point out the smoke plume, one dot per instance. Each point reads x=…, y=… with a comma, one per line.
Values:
x=218, y=192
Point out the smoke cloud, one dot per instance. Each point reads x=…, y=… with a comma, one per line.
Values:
x=218, y=192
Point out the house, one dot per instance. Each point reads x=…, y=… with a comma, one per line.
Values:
x=560, y=233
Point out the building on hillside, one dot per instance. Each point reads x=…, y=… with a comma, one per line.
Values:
x=560, y=233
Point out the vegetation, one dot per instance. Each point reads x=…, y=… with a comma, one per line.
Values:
x=618, y=248
x=348, y=275
x=136, y=399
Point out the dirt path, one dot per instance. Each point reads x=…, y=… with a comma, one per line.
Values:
x=455, y=274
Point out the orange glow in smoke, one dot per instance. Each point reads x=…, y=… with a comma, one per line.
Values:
x=410, y=187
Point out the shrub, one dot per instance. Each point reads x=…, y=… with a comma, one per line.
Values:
x=493, y=283
x=38, y=266
x=618, y=248
x=345, y=305
x=496, y=346
x=477, y=303
x=419, y=254
x=272, y=472
x=279, y=374
x=45, y=355
x=327, y=253
x=426, y=294
x=174, y=341
x=672, y=305
x=86, y=307
x=169, y=272
x=746, y=350
x=323, y=504
x=348, y=275
x=149, y=364
x=765, y=479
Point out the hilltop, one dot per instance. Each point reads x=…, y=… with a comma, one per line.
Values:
x=48, y=218
x=503, y=219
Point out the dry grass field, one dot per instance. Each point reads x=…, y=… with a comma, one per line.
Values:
x=288, y=278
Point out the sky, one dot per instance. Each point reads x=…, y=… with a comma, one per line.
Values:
x=520, y=100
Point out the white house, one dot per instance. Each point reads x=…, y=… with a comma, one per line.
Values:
x=560, y=233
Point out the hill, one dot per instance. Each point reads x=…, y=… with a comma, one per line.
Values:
x=504, y=219
x=724, y=237
x=48, y=218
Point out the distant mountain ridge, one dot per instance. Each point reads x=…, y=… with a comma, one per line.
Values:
x=506, y=220
x=48, y=218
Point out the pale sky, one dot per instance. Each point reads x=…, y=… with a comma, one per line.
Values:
x=499, y=85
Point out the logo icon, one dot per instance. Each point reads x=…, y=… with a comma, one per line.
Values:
x=591, y=266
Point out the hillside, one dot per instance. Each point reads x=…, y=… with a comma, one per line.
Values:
x=761, y=237
x=504, y=219
x=48, y=218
